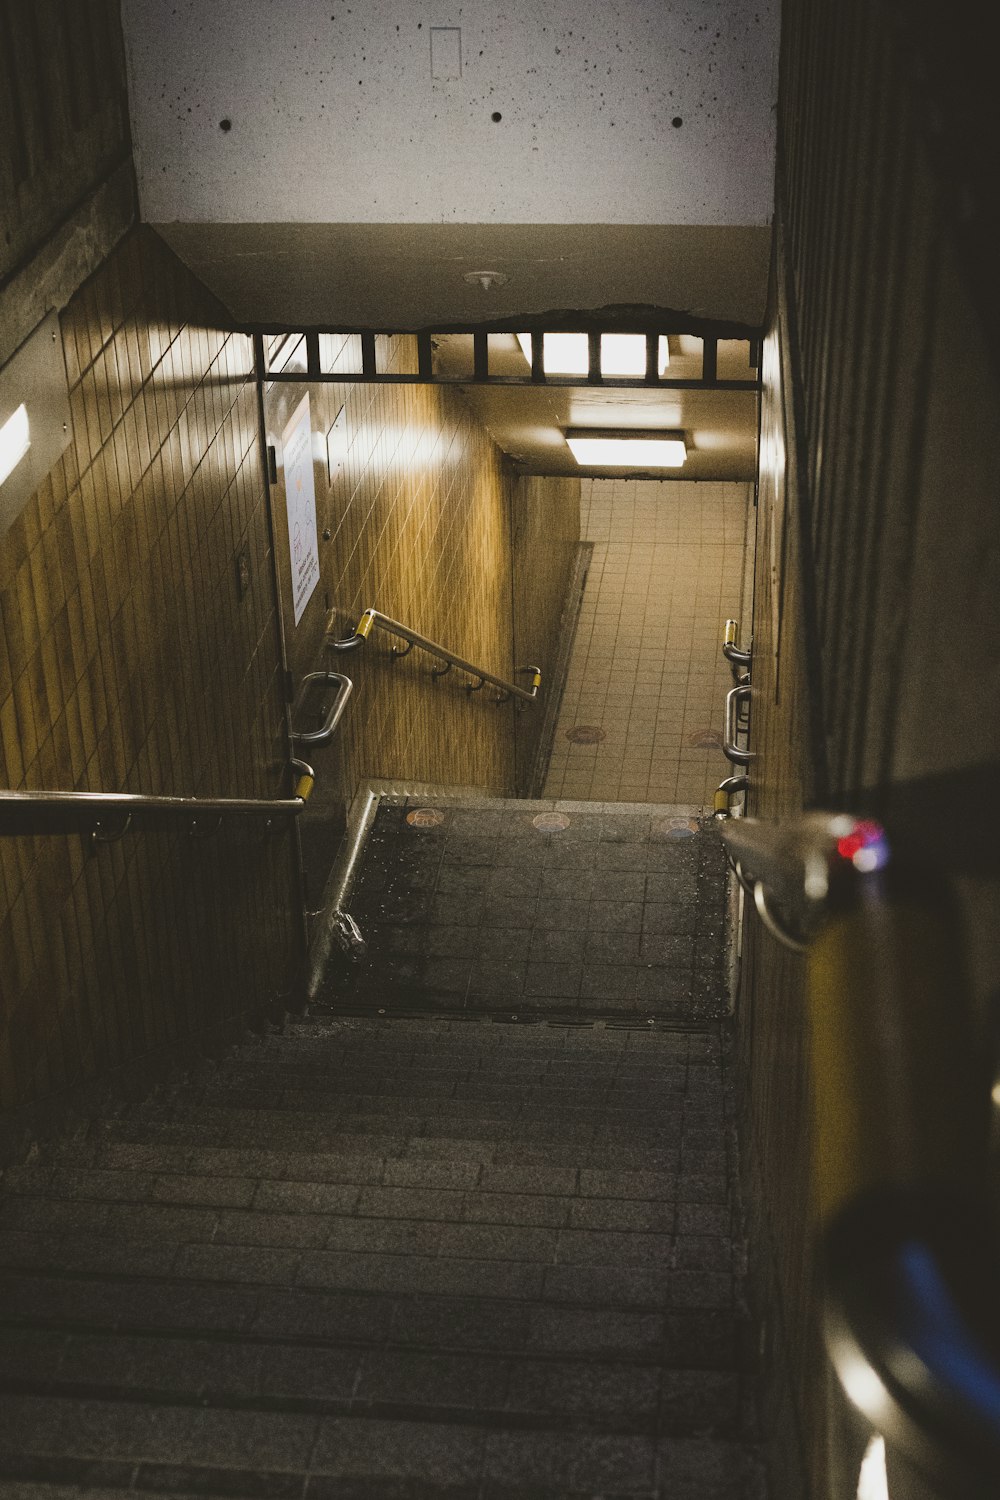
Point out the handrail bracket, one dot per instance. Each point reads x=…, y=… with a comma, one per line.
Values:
x=372, y=618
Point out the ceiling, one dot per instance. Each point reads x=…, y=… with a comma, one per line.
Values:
x=346, y=164
x=402, y=277
x=339, y=163
x=529, y=422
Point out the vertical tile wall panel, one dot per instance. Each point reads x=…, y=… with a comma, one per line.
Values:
x=129, y=663
x=417, y=519
x=545, y=521
x=64, y=122
x=875, y=571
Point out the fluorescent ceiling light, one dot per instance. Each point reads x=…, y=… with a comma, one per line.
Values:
x=622, y=354
x=620, y=449
x=15, y=440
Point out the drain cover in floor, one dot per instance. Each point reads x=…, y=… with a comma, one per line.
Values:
x=550, y=822
x=425, y=817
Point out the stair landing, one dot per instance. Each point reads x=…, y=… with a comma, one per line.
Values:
x=544, y=908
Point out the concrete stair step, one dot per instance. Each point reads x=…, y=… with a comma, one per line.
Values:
x=491, y=1140
x=104, y=1193
x=324, y=1157
x=373, y=1259
x=105, y=1167
x=90, y=1307
x=208, y=1451
x=517, y=1390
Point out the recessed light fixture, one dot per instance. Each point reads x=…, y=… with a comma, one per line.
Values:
x=15, y=440
x=622, y=354
x=625, y=448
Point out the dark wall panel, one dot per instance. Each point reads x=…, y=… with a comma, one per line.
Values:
x=64, y=123
x=877, y=572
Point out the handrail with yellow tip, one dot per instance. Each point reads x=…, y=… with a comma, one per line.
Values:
x=736, y=655
x=371, y=618
x=108, y=816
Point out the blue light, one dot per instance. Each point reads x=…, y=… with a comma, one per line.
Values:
x=946, y=1345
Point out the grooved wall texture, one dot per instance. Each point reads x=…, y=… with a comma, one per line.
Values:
x=129, y=662
x=772, y=1034
x=545, y=521
x=877, y=571
x=63, y=114
x=428, y=525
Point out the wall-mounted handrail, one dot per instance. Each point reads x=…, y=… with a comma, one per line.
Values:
x=901, y=1092
x=372, y=618
x=731, y=786
x=334, y=712
x=737, y=656
x=731, y=750
x=109, y=815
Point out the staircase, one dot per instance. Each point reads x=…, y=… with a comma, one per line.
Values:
x=470, y=1230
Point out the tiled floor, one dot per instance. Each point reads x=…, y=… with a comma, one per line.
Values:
x=559, y=909
x=646, y=670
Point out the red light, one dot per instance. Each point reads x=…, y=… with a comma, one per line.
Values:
x=863, y=836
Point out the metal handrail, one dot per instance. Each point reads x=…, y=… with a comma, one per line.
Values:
x=900, y=1138
x=730, y=748
x=374, y=617
x=735, y=655
x=731, y=786
x=324, y=734
x=29, y=812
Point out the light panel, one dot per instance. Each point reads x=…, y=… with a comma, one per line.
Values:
x=873, y=1483
x=15, y=440
x=595, y=448
x=622, y=354
x=625, y=354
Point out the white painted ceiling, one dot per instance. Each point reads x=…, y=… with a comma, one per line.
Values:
x=649, y=112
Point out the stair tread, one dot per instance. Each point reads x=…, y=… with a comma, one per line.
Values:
x=407, y=1256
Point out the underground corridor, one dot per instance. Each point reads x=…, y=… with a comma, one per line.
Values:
x=498, y=881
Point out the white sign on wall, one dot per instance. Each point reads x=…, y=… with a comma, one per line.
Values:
x=300, y=503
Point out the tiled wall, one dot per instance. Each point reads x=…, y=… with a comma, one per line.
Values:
x=772, y=1036
x=129, y=661
x=421, y=519
x=646, y=673
x=877, y=575
x=546, y=532
x=64, y=123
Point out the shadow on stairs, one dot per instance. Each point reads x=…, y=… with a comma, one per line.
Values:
x=429, y=1253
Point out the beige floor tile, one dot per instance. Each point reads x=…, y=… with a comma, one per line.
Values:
x=646, y=667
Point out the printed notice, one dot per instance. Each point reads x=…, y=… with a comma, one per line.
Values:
x=300, y=501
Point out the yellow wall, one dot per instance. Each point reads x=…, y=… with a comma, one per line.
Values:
x=426, y=523
x=128, y=662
